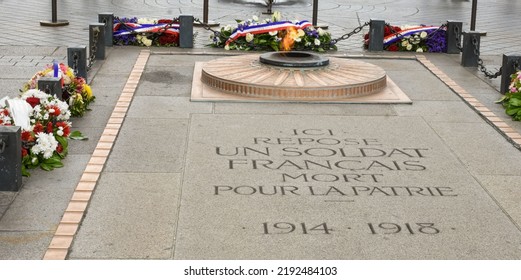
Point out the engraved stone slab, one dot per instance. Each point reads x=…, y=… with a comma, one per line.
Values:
x=330, y=187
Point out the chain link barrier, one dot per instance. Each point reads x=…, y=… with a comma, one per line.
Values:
x=457, y=36
x=481, y=67
x=206, y=26
x=2, y=145
x=93, y=48
x=346, y=36
x=75, y=61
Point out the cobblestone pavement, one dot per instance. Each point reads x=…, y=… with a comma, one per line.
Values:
x=495, y=17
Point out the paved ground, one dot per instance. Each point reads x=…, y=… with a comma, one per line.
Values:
x=163, y=192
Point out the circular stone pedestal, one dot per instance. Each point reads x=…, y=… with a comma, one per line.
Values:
x=245, y=75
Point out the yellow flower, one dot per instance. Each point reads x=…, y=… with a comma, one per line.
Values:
x=88, y=91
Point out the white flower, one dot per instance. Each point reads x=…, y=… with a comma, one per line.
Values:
x=423, y=35
x=405, y=43
x=308, y=44
x=298, y=39
x=46, y=144
x=409, y=47
x=277, y=16
x=51, y=111
x=249, y=37
x=34, y=160
x=60, y=132
x=146, y=21
x=317, y=42
x=255, y=18
x=273, y=33
x=227, y=47
x=419, y=50
x=66, y=80
x=301, y=33
x=321, y=31
x=228, y=28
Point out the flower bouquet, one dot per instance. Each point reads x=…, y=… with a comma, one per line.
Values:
x=146, y=32
x=272, y=34
x=512, y=99
x=413, y=38
x=76, y=92
x=44, y=141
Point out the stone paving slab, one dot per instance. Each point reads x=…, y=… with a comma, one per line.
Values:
x=301, y=195
x=131, y=217
x=161, y=153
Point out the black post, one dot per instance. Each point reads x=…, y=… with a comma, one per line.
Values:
x=10, y=155
x=376, y=35
x=471, y=41
x=473, y=15
x=186, y=31
x=54, y=17
x=315, y=12
x=54, y=5
x=453, y=36
x=77, y=60
x=508, y=68
x=205, y=11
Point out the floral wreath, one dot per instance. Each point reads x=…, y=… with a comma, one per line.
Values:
x=45, y=141
x=76, y=92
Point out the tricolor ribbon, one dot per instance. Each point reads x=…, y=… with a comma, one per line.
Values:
x=121, y=29
x=391, y=39
x=266, y=28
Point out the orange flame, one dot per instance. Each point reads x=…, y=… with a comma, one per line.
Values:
x=289, y=39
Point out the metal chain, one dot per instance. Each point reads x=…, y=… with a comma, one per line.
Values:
x=346, y=36
x=482, y=67
x=167, y=26
x=442, y=27
x=457, y=36
x=94, y=47
x=205, y=26
x=391, y=29
x=2, y=145
x=516, y=65
x=75, y=59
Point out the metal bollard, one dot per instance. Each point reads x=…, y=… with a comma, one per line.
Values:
x=469, y=56
x=186, y=31
x=10, y=158
x=453, y=36
x=54, y=17
x=315, y=13
x=77, y=60
x=97, y=41
x=510, y=62
x=376, y=35
x=51, y=85
x=108, y=20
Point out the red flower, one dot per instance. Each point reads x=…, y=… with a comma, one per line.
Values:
x=33, y=101
x=38, y=127
x=393, y=48
x=391, y=30
x=56, y=109
x=27, y=136
x=24, y=152
x=49, y=127
x=66, y=128
x=167, y=39
x=59, y=148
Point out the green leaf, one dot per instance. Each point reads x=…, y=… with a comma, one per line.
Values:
x=77, y=135
x=515, y=102
x=25, y=173
x=46, y=167
x=512, y=111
